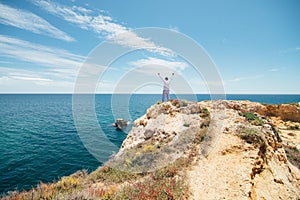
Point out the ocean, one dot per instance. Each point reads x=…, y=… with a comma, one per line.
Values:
x=39, y=141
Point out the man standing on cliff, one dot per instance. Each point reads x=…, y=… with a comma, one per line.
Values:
x=166, y=90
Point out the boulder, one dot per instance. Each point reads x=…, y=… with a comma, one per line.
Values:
x=120, y=124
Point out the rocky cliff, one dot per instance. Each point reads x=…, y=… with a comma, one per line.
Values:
x=286, y=112
x=196, y=150
x=241, y=154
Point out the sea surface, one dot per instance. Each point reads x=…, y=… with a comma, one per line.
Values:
x=39, y=140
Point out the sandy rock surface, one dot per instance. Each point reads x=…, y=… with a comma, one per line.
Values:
x=235, y=169
x=243, y=153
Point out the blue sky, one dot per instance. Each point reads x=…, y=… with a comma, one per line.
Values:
x=254, y=44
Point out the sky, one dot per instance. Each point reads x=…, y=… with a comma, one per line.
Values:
x=254, y=45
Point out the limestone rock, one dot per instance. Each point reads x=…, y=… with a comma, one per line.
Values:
x=238, y=167
x=284, y=111
x=148, y=134
x=237, y=159
x=163, y=120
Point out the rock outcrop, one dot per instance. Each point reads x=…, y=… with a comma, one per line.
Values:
x=248, y=161
x=242, y=153
x=286, y=112
x=163, y=134
x=120, y=124
x=164, y=121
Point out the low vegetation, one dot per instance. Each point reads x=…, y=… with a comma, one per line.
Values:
x=294, y=127
x=108, y=175
x=165, y=183
x=204, y=113
x=293, y=155
x=252, y=135
x=65, y=187
x=179, y=103
x=253, y=118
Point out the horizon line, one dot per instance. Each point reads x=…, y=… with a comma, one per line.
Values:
x=156, y=93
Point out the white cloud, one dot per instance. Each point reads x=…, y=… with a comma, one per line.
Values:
x=24, y=75
x=274, y=70
x=103, y=25
x=295, y=49
x=132, y=40
x=55, y=66
x=154, y=65
x=82, y=17
x=51, y=68
x=31, y=22
x=31, y=78
x=5, y=62
x=290, y=50
x=38, y=54
x=33, y=81
x=246, y=78
x=143, y=74
x=174, y=28
x=33, y=85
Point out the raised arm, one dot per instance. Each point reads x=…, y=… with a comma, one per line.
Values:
x=160, y=76
x=171, y=78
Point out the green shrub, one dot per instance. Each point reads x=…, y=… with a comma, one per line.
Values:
x=67, y=183
x=205, y=110
x=249, y=116
x=252, y=135
x=111, y=175
x=255, y=120
x=295, y=127
x=293, y=155
x=204, y=113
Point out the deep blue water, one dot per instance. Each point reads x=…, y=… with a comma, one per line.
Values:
x=39, y=141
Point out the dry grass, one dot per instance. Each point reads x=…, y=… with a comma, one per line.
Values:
x=58, y=190
x=293, y=155
x=252, y=135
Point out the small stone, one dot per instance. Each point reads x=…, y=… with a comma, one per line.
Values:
x=148, y=134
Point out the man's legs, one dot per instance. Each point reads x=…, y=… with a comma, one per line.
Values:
x=165, y=95
x=168, y=95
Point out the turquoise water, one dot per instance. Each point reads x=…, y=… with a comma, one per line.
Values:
x=39, y=142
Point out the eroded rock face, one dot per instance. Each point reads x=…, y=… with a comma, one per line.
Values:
x=284, y=111
x=163, y=121
x=245, y=160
